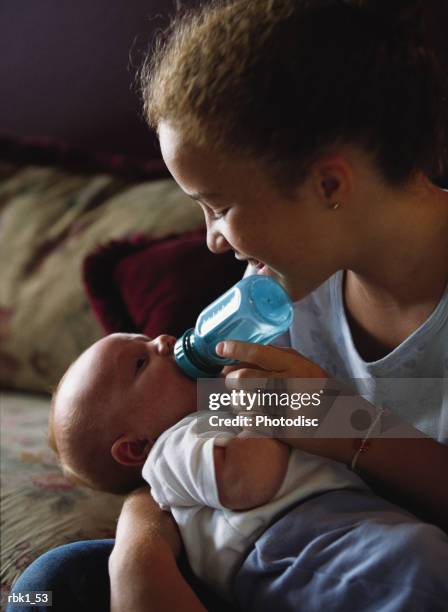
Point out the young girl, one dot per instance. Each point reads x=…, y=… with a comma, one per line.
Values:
x=314, y=136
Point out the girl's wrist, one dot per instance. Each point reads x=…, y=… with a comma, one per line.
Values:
x=341, y=449
x=336, y=449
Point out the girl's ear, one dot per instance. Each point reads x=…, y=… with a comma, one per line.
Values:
x=333, y=178
x=130, y=450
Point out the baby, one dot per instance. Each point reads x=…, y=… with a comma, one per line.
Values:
x=124, y=414
x=111, y=405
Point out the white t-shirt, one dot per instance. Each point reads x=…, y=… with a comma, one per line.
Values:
x=180, y=470
x=412, y=380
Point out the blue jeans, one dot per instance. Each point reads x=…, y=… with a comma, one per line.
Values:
x=77, y=574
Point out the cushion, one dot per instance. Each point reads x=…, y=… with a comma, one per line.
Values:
x=157, y=286
x=50, y=220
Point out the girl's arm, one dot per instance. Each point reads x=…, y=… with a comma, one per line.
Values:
x=142, y=566
x=408, y=471
x=411, y=472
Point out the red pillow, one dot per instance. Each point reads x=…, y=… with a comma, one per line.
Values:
x=140, y=285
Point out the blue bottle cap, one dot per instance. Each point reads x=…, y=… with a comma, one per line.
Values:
x=186, y=361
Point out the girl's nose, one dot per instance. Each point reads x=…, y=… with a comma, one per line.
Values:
x=216, y=242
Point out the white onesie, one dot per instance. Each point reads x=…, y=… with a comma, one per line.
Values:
x=180, y=470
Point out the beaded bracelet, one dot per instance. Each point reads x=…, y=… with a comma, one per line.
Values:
x=362, y=445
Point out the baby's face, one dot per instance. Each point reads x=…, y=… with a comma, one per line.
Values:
x=133, y=378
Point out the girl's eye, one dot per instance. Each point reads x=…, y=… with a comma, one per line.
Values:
x=140, y=363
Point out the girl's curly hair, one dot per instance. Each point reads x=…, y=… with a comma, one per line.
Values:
x=285, y=80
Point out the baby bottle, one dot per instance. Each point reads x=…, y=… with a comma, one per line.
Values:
x=257, y=309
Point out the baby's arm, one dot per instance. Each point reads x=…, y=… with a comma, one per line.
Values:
x=249, y=471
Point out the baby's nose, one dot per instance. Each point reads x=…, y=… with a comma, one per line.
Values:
x=165, y=344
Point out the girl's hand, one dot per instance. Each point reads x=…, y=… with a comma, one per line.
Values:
x=260, y=361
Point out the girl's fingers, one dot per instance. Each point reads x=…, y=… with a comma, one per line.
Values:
x=244, y=373
x=266, y=357
x=288, y=349
x=248, y=379
x=272, y=361
x=238, y=366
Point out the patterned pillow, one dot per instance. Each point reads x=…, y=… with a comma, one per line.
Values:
x=49, y=221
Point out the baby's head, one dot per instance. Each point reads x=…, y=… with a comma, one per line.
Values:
x=112, y=404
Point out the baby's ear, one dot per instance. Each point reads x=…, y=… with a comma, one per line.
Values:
x=130, y=450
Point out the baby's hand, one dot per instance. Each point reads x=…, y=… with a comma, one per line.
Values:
x=249, y=471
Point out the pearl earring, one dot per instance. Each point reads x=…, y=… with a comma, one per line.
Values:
x=335, y=205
